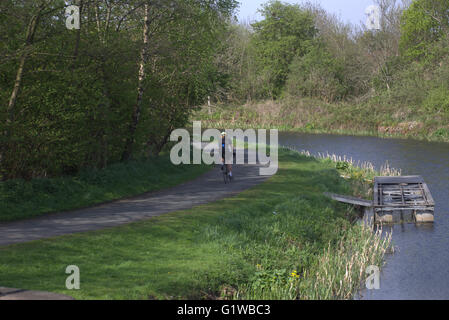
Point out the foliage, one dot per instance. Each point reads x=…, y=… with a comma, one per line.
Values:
x=338, y=78
x=423, y=23
x=285, y=32
x=68, y=97
x=437, y=100
x=317, y=74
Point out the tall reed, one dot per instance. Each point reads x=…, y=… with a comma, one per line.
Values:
x=368, y=167
x=340, y=271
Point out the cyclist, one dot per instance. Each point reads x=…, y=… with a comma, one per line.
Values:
x=226, y=144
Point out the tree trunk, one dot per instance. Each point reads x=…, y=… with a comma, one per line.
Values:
x=18, y=82
x=106, y=107
x=140, y=89
x=31, y=30
x=78, y=36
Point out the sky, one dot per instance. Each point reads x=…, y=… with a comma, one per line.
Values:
x=352, y=11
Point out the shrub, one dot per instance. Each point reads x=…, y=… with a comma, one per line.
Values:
x=317, y=74
x=437, y=100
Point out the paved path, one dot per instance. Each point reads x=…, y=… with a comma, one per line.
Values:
x=20, y=294
x=207, y=188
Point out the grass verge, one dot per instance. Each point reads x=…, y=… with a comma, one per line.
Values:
x=22, y=199
x=268, y=242
x=313, y=116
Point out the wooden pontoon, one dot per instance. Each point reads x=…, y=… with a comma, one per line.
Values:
x=402, y=197
x=397, y=199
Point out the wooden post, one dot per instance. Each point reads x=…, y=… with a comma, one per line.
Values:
x=208, y=104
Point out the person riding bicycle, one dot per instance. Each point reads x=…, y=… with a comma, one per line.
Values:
x=226, y=145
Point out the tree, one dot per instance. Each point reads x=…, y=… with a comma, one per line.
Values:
x=111, y=90
x=140, y=89
x=423, y=23
x=318, y=74
x=381, y=47
x=285, y=32
x=184, y=41
x=335, y=66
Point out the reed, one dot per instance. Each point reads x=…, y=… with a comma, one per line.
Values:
x=368, y=168
x=340, y=272
x=337, y=274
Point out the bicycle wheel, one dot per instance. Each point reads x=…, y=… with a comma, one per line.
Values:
x=226, y=176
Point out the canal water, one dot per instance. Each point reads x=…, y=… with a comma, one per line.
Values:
x=419, y=269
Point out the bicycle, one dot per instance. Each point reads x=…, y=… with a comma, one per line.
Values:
x=225, y=170
x=226, y=177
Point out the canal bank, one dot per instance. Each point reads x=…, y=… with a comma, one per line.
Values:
x=309, y=116
x=282, y=239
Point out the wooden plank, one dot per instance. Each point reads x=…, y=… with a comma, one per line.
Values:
x=402, y=195
x=350, y=200
x=411, y=206
x=381, y=195
x=428, y=194
x=418, y=208
x=399, y=180
x=376, y=194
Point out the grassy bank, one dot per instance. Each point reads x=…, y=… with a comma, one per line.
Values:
x=314, y=116
x=282, y=239
x=20, y=199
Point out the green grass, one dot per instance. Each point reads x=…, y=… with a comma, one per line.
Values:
x=22, y=199
x=347, y=118
x=215, y=250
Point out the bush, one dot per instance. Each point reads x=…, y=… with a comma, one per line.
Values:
x=437, y=100
x=317, y=74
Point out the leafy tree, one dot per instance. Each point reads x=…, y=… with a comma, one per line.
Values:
x=423, y=23
x=109, y=91
x=318, y=74
x=285, y=32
